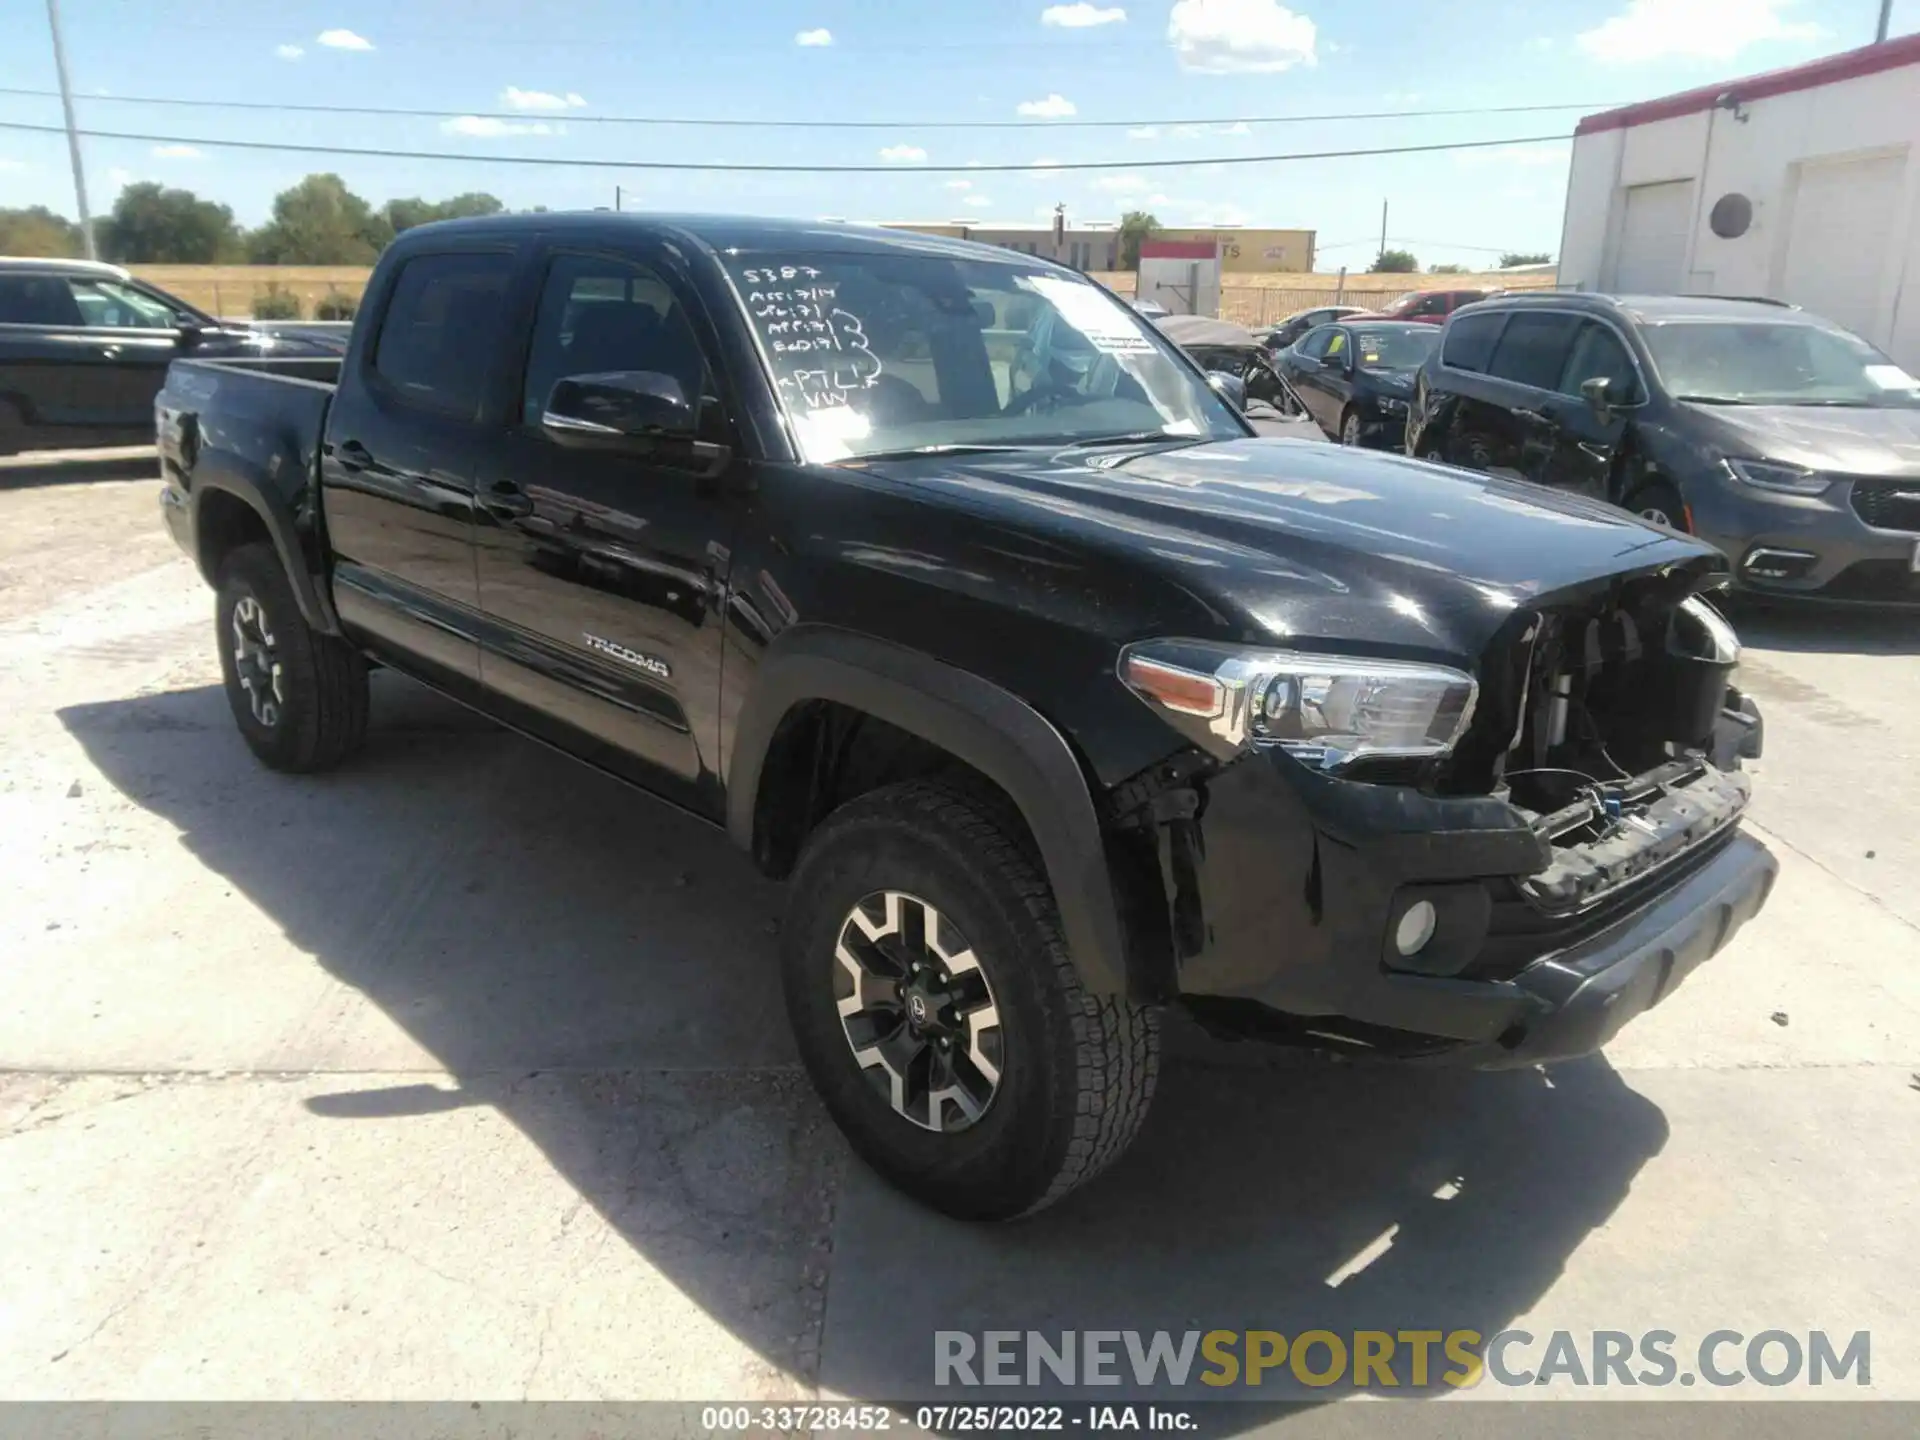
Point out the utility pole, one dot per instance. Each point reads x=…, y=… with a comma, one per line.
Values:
x=1383, y=227
x=73, y=132
x=616, y=198
x=1886, y=19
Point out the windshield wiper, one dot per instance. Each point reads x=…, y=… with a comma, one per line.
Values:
x=915, y=452
x=1136, y=437
x=1710, y=400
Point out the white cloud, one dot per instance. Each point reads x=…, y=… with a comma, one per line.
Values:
x=1044, y=167
x=344, y=40
x=1054, y=107
x=120, y=175
x=541, y=99
x=1144, y=132
x=1222, y=36
x=903, y=153
x=1238, y=127
x=979, y=202
x=490, y=126
x=975, y=164
x=1121, y=184
x=1081, y=16
x=289, y=52
x=1221, y=214
x=812, y=39
x=1692, y=29
x=1159, y=200
x=959, y=184
x=175, y=152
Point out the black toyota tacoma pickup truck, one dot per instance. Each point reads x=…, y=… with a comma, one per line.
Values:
x=961, y=598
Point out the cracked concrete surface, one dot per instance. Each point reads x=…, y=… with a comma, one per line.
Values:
x=462, y=1072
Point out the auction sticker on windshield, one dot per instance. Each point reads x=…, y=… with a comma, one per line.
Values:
x=1891, y=377
x=1108, y=328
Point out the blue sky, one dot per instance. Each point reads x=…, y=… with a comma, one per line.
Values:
x=907, y=62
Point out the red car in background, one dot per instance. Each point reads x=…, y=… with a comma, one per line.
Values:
x=1430, y=307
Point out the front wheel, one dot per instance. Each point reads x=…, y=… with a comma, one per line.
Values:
x=939, y=1014
x=1660, y=503
x=1350, y=428
x=299, y=696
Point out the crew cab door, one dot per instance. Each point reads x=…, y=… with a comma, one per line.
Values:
x=603, y=572
x=404, y=438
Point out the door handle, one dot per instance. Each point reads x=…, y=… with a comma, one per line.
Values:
x=109, y=352
x=506, y=501
x=352, y=455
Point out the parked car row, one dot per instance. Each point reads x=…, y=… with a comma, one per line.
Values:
x=84, y=348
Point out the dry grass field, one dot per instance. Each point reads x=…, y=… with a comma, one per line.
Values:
x=233, y=289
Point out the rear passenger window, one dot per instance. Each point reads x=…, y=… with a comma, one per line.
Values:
x=443, y=329
x=1533, y=349
x=1469, y=342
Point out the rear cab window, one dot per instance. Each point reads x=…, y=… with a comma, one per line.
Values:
x=444, y=325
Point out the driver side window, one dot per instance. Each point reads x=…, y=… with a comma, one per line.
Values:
x=1314, y=346
x=598, y=315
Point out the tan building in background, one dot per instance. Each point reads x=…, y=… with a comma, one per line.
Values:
x=1096, y=247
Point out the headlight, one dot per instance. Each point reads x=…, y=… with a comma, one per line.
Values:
x=1392, y=405
x=1769, y=475
x=1325, y=710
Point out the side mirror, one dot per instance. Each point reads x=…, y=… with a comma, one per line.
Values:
x=1602, y=397
x=190, y=333
x=1230, y=388
x=618, y=410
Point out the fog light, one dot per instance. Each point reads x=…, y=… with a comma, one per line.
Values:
x=1767, y=563
x=1415, y=929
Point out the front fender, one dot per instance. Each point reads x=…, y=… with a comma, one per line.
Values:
x=978, y=722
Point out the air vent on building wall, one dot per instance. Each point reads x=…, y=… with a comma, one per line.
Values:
x=1731, y=217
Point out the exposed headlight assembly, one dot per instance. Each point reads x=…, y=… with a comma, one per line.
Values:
x=1787, y=479
x=1324, y=710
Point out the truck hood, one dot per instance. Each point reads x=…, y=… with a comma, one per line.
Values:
x=1294, y=540
x=1845, y=441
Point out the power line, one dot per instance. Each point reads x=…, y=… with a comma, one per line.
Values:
x=1043, y=167
x=574, y=117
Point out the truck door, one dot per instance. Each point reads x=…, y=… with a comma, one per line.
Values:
x=403, y=445
x=603, y=573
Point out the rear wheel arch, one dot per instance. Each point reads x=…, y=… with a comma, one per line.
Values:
x=225, y=518
x=940, y=719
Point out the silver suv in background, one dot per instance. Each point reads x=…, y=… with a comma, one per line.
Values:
x=1789, y=443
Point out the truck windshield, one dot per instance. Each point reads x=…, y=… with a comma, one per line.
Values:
x=889, y=353
x=1762, y=362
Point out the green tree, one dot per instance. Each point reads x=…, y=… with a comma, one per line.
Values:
x=38, y=231
x=1446, y=269
x=406, y=213
x=1394, y=262
x=1525, y=257
x=151, y=225
x=321, y=222
x=1136, y=227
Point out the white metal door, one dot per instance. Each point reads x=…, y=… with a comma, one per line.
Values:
x=1653, y=238
x=1840, y=233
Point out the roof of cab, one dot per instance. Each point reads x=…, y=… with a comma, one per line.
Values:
x=56, y=265
x=749, y=234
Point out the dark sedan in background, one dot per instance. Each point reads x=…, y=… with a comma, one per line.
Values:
x=84, y=348
x=1355, y=379
x=1300, y=322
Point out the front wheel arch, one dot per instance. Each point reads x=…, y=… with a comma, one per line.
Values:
x=986, y=729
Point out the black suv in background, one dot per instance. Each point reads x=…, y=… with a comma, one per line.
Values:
x=1791, y=444
x=84, y=348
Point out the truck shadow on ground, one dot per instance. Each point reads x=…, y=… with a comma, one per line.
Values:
x=602, y=970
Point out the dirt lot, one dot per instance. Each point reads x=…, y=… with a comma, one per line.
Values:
x=462, y=1072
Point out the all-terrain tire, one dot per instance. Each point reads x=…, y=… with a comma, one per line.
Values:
x=1077, y=1071
x=318, y=715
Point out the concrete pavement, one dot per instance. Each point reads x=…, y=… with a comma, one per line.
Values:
x=463, y=1072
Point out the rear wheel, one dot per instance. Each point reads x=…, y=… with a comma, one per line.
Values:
x=13, y=429
x=298, y=696
x=939, y=1015
x=1660, y=503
